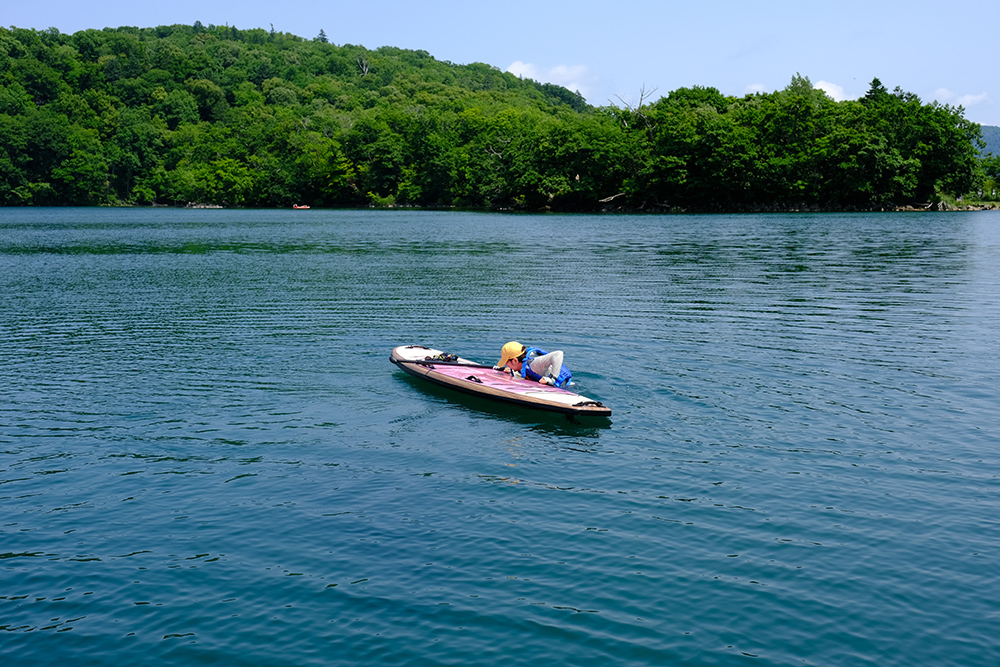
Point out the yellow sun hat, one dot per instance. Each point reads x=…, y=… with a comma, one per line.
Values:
x=511, y=350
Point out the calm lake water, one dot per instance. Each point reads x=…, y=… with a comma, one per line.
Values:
x=206, y=457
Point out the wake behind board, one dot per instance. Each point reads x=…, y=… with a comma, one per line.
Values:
x=480, y=380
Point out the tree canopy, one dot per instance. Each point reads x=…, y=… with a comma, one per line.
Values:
x=214, y=114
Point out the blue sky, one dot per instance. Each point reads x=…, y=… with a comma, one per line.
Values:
x=612, y=50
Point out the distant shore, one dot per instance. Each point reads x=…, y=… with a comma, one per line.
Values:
x=941, y=206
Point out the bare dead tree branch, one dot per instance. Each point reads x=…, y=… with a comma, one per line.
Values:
x=636, y=110
x=503, y=142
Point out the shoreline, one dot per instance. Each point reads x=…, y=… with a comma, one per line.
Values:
x=938, y=207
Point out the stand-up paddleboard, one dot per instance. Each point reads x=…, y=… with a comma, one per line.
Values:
x=479, y=380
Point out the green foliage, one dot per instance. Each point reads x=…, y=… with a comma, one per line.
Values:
x=216, y=114
x=989, y=178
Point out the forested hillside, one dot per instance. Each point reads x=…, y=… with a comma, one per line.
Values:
x=179, y=114
x=991, y=135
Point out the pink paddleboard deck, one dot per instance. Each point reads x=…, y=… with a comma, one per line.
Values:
x=473, y=378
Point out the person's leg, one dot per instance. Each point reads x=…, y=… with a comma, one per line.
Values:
x=548, y=364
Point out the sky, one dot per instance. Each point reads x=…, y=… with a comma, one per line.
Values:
x=620, y=51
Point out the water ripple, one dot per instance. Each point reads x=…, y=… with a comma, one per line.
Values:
x=206, y=457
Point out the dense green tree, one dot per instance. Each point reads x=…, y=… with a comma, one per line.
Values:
x=14, y=160
x=14, y=99
x=82, y=177
x=989, y=177
x=943, y=144
x=256, y=117
x=177, y=107
x=211, y=99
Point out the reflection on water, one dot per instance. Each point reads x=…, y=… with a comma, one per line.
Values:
x=537, y=420
x=205, y=455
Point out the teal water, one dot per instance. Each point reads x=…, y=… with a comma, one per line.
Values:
x=206, y=457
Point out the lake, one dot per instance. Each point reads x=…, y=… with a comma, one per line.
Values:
x=206, y=457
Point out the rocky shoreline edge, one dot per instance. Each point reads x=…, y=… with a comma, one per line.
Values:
x=941, y=206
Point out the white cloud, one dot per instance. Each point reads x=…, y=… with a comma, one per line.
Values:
x=972, y=100
x=943, y=95
x=833, y=90
x=946, y=96
x=755, y=88
x=576, y=78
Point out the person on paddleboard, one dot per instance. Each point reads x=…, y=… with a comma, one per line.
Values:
x=534, y=364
